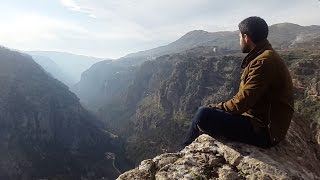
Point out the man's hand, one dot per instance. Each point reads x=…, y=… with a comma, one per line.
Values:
x=216, y=106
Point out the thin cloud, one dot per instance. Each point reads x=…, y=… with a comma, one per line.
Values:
x=73, y=6
x=117, y=27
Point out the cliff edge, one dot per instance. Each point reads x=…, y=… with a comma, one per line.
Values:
x=210, y=158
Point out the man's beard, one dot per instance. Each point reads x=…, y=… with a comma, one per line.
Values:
x=245, y=48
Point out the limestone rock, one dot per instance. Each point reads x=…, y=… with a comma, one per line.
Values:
x=209, y=158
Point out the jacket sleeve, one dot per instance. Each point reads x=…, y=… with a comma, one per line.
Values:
x=255, y=85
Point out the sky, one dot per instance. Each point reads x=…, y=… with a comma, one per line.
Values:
x=114, y=28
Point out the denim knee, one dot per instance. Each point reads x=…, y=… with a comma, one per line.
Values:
x=201, y=114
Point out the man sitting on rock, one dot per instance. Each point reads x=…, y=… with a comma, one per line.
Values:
x=261, y=112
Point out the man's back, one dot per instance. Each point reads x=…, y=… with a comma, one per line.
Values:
x=282, y=103
x=265, y=93
x=274, y=107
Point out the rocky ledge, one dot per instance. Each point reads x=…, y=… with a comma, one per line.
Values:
x=209, y=158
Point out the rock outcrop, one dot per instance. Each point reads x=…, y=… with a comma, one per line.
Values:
x=209, y=158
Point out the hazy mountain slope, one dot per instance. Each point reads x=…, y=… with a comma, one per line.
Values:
x=69, y=63
x=44, y=131
x=103, y=83
x=53, y=69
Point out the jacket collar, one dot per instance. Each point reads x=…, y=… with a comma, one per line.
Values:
x=256, y=51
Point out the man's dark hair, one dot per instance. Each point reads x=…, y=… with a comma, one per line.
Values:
x=255, y=27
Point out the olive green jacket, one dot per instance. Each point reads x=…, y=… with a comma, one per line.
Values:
x=265, y=94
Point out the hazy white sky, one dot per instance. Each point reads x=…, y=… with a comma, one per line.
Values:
x=114, y=28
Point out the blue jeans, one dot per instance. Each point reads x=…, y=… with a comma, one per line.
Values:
x=216, y=122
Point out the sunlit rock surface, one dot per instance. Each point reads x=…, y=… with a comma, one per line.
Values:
x=209, y=158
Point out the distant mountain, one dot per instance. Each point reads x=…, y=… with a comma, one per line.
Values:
x=44, y=131
x=53, y=69
x=190, y=40
x=281, y=36
x=285, y=35
x=73, y=65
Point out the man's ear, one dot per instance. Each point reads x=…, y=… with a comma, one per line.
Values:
x=248, y=39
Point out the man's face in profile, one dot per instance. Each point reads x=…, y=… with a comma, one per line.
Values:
x=244, y=46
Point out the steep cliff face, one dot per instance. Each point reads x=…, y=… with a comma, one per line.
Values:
x=103, y=83
x=209, y=158
x=44, y=131
x=304, y=64
x=165, y=93
x=53, y=69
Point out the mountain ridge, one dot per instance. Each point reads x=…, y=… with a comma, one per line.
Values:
x=211, y=36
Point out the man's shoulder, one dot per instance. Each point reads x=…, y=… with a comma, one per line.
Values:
x=268, y=53
x=266, y=60
x=268, y=56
